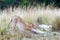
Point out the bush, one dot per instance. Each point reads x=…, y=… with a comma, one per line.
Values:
x=25, y=3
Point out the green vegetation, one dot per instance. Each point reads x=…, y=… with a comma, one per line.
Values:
x=25, y=3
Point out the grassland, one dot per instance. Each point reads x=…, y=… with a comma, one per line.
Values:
x=49, y=16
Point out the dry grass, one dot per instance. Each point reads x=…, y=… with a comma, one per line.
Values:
x=56, y=23
x=29, y=15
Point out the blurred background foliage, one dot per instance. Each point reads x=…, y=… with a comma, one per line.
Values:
x=25, y=3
